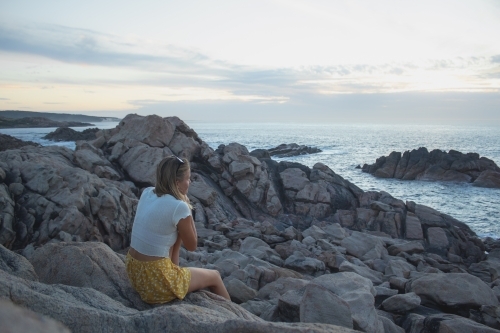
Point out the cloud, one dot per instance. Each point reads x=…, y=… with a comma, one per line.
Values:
x=443, y=108
x=80, y=46
x=185, y=74
x=4, y=99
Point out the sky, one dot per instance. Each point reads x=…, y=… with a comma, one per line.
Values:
x=260, y=61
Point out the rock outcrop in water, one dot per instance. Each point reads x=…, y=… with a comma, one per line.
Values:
x=69, y=134
x=300, y=249
x=9, y=142
x=286, y=150
x=420, y=164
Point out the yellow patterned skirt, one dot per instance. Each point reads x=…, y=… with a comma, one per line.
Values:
x=158, y=281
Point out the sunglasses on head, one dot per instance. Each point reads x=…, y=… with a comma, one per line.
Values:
x=181, y=162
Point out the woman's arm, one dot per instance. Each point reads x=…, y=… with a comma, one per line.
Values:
x=174, y=251
x=187, y=233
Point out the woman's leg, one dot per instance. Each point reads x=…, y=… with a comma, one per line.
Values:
x=207, y=278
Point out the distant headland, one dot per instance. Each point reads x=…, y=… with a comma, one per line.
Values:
x=60, y=117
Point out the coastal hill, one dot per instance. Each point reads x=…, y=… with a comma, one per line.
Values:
x=299, y=249
x=63, y=117
x=38, y=122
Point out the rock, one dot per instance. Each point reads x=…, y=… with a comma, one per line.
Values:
x=198, y=312
x=239, y=291
x=390, y=326
x=437, y=237
x=315, y=232
x=364, y=246
x=292, y=149
x=258, y=248
x=201, y=190
x=374, y=276
x=69, y=134
x=7, y=212
x=150, y=130
x=257, y=307
x=358, y=293
x=59, y=196
x=437, y=166
x=447, y=291
x=413, y=227
x=401, y=303
x=289, y=305
x=319, y=305
x=453, y=324
x=408, y=247
x=140, y=163
x=98, y=267
x=300, y=263
x=14, y=318
x=488, y=178
x=9, y=142
x=294, y=179
x=16, y=265
x=399, y=268
x=280, y=286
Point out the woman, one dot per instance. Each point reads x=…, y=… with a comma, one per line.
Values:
x=162, y=222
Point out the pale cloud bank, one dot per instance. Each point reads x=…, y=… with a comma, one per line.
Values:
x=64, y=68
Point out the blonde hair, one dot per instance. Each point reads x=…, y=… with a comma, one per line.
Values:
x=168, y=172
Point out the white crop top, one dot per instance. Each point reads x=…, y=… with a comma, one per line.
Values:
x=155, y=224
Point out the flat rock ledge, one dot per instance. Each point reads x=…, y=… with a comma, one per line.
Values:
x=437, y=165
x=299, y=249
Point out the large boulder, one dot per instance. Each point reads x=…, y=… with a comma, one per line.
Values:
x=151, y=130
x=91, y=264
x=358, y=293
x=61, y=201
x=452, y=291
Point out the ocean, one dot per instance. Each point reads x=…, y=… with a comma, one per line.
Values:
x=345, y=146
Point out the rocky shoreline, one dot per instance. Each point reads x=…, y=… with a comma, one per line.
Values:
x=300, y=249
x=437, y=165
